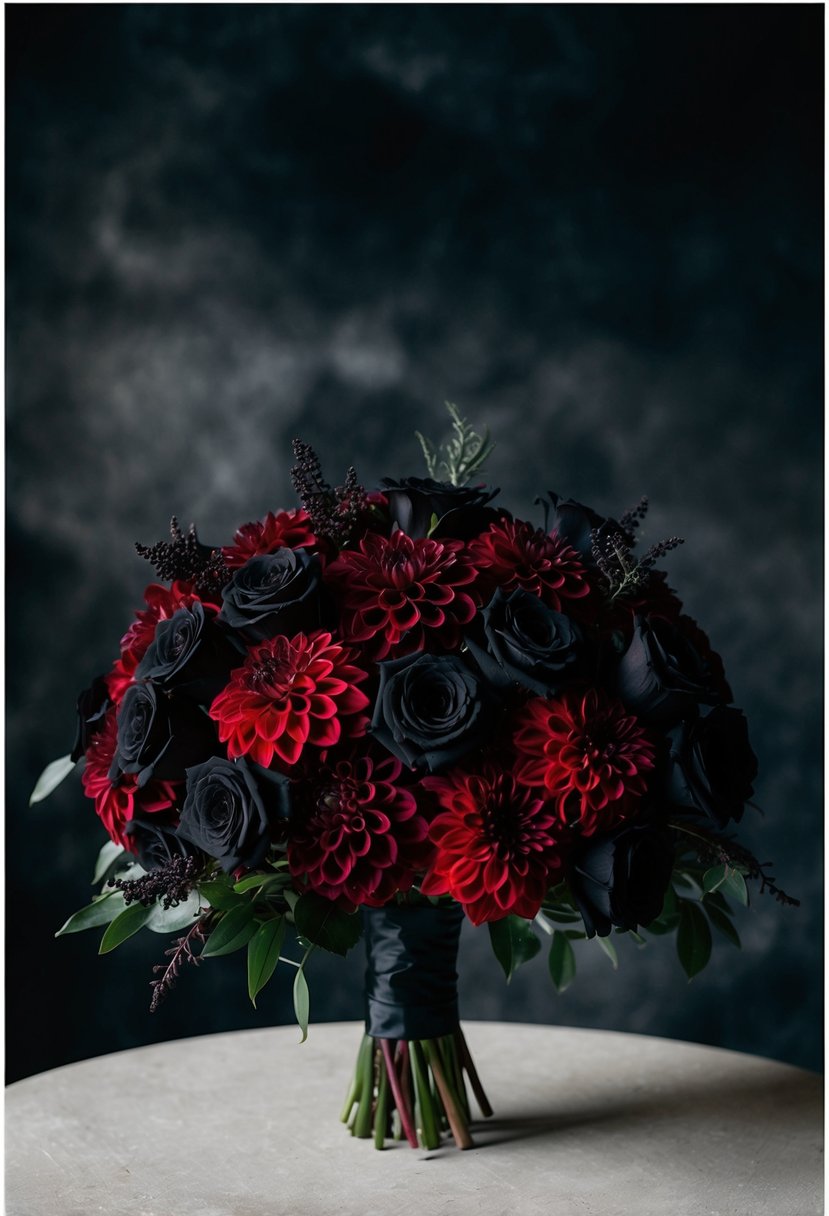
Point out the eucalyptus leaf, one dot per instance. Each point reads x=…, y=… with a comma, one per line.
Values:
x=562, y=962
x=513, y=943
x=714, y=878
x=610, y=950
x=51, y=778
x=693, y=939
x=320, y=921
x=125, y=925
x=302, y=1002
x=735, y=886
x=100, y=912
x=263, y=954
x=170, y=920
x=722, y=923
x=108, y=858
x=233, y=931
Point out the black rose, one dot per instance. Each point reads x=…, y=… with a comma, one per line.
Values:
x=573, y=522
x=430, y=711
x=157, y=843
x=92, y=706
x=417, y=503
x=522, y=640
x=231, y=808
x=159, y=736
x=662, y=676
x=621, y=879
x=274, y=593
x=712, y=767
x=189, y=653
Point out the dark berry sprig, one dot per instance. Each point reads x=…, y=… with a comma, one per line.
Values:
x=180, y=953
x=334, y=513
x=632, y=518
x=623, y=572
x=171, y=884
x=185, y=557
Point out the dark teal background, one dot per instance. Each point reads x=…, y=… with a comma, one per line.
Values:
x=598, y=229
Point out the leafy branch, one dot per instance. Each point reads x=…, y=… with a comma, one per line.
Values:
x=463, y=454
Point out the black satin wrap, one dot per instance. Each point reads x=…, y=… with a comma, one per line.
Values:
x=411, y=976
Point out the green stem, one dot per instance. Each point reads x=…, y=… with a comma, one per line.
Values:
x=362, y=1124
x=381, y=1114
x=428, y=1123
x=355, y=1089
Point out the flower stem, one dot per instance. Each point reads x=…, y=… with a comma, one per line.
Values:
x=428, y=1122
x=381, y=1113
x=362, y=1124
x=472, y=1073
x=403, y=1107
x=457, y=1122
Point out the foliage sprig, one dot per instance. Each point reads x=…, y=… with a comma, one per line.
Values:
x=463, y=454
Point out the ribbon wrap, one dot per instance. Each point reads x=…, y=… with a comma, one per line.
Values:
x=411, y=973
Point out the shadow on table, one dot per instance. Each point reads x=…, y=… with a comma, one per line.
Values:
x=793, y=1100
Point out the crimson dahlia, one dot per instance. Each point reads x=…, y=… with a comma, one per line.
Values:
x=291, y=529
x=398, y=594
x=514, y=554
x=588, y=753
x=116, y=803
x=356, y=833
x=289, y=693
x=496, y=844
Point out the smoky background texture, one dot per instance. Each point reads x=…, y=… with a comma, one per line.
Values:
x=598, y=229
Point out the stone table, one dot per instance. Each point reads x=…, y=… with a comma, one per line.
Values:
x=587, y=1123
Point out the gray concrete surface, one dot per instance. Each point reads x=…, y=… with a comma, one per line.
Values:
x=587, y=1123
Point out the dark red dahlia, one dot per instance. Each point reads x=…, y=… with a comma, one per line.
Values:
x=496, y=841
x=116, y=803
x=162, y=603
x=588, y=753
x=290, y=693
x=513, y=554
x=291, y=529
x=356, y=834
x=399, y=594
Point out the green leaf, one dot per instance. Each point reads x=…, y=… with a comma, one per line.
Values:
x=669, y=906
x=220, y=896
x=735, y=886
x=263, y=954
x=291, y=898
x=721, y=922
x=662, y=925
x=124, y=926
x=714, y=878
x=108, y=856
x=637, y=937
x=170, y=920
x=302, y=1002
x=693, y=939
x=323, y=923
x=100, y=912
x=51, y=778
x=610, y=950
x=562, y=961
x=563, y=916
x=513, y=943
x=252, y=882
x=233, y=931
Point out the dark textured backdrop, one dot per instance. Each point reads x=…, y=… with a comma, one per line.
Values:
x=597, y=229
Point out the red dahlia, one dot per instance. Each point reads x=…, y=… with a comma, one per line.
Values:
x=357, y=834
x=496, y=844
x=162, y=602
x=291, y=529
x=289, y=693
x=514, y=554
x=588, y=752
x=396, y=589
x=117, y=802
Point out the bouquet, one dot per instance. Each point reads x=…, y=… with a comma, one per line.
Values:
x=383, y=711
